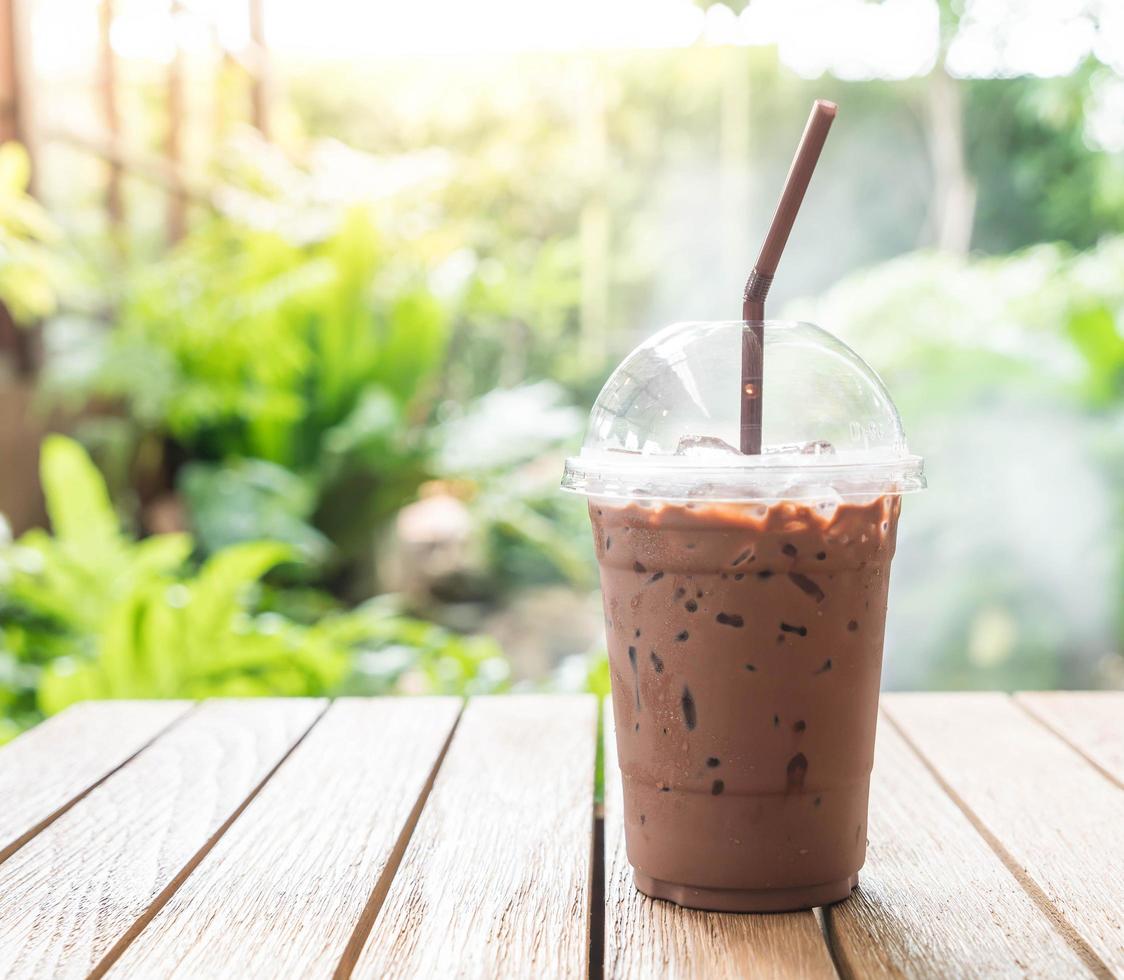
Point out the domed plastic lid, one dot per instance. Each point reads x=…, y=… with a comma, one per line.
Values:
x=666, y=424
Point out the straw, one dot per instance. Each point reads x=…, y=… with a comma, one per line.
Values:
x=761, y=278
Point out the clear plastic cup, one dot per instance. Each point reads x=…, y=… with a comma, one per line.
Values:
x=745, y=603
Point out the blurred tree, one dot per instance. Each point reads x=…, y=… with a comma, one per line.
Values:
x=1009, y=374
x=1039, y=178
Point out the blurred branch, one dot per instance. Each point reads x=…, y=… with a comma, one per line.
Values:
x=153, y=169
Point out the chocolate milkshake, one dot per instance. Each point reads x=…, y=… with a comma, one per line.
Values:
x=745, y=605
x=745, y=647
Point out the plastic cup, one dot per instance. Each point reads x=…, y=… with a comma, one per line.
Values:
x=745, y=602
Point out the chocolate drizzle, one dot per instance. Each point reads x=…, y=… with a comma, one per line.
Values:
x=806, y=585
x=635, y=675
x=797, y=771
x=690, y=713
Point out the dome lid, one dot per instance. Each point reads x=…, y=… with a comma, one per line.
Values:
x=666, y=424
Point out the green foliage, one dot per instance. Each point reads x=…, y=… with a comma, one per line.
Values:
x=507, y=445
x=89, y=613
x=245, y=499
x=396, y=654
x=88, y=566
x=951, y=331
x=1037, y=177
x=29, y=260
x=1009, y=374
x=258, y=346
x=294, y=329
x=197, y=638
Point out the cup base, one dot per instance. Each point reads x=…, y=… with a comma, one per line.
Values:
x=746, y=899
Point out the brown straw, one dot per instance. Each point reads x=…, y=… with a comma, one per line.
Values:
x=761, y=278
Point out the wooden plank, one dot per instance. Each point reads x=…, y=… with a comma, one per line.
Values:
x=306, y=864
x=646, y=938
x=496, y=880
x=47, y=768
x=1053, y=818
x=1091, y=721
x=80, y=886
x=934, y=900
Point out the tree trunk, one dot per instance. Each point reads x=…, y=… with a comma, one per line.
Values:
x=177, y=199
x=107, y=82
x=953, y=206
x=261, y=82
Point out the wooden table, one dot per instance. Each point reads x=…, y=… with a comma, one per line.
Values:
x=409, y=838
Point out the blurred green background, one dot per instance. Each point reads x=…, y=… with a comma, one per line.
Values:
x=301, y=313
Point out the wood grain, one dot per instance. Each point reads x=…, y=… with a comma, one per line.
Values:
x=82, y=884
x=496, y=880
x=47, y=768
x=646, y=938
x=283, y=891
x=1091, y=721
x=934, y=900
x=1053, y=818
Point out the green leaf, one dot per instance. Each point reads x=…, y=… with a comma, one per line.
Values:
x=77, y=499
x=159, y=555
x=1097, y=338
x=119, y=656
x=413, y=345
x=218, y=592
x=66, y=682
x=375, y=423
x=15, y=168
x=252, y=500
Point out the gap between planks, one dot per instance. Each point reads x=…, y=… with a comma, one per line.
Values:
x=496, y=879
x=305, y=907
x=382, y=886
x=1067, y=715
x=956, y=916
x=74, y=890
x=646, y=937
x=83, y=785
x=173, y=886
x=1069, y=933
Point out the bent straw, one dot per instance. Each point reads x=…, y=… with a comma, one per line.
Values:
x=761, y=278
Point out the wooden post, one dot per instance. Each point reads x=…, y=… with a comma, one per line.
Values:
x=261, y=82
x=11, y=117
x=21, y=342
x=107, y=82
x=177, y=199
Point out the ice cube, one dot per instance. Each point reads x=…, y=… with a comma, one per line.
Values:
x=704, y=446
x=821, y=447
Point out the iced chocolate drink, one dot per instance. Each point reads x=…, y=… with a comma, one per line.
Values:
x=745, y=603
x=745, y=645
